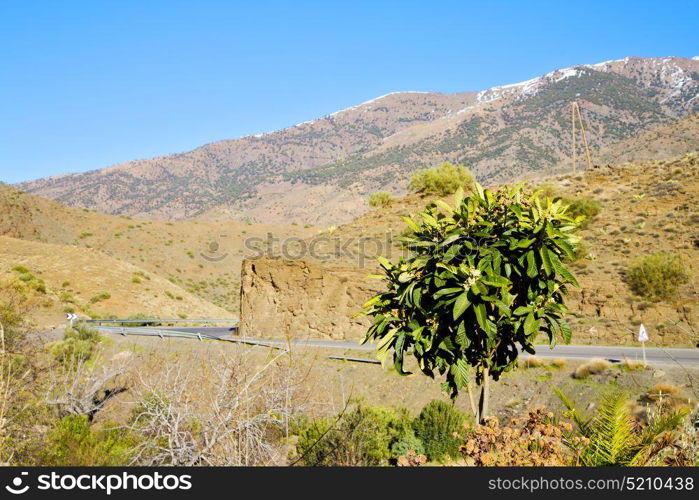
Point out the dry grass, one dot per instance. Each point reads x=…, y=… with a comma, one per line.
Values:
x=592, y=367
x=532, y=362
x=663, y=389
x=667, y=395
x=631, y=365
x=558, y=363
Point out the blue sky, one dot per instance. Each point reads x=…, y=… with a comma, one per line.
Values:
x=84, y=85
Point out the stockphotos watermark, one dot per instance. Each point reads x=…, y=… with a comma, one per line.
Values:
x=327, y=246
x=103, y=483
x=323, y=247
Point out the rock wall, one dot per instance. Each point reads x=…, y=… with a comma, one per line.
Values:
x=303, y=298
x=311, y=299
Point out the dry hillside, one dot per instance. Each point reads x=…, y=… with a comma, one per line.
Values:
x=201, y=257
x=321, y=171
x=64, y=278
x=660, y=143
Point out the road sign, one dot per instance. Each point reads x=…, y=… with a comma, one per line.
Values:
x=643, y=338
x=642, y=334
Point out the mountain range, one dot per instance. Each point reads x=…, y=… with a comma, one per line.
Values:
x=323, y=171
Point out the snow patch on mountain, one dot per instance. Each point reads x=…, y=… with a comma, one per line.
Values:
x=527, y=87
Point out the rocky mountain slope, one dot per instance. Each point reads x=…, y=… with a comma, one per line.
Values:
x=322, y=171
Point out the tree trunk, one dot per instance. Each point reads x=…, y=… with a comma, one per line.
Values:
x=472, y=402
x=485, y=395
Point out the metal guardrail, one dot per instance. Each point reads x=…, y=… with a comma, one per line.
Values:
x=155, y=332
x=158, y=320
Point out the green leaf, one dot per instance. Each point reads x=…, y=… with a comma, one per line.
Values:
x=398, y=354
x=531, y=324
x=460, y=305
x=546, y=260
x=461, y=337
x=521, y=310
x=443, y=205
x=481, y=316
x=532, y=271
x=565, y=330
x=385, y=263
x=460, y=373
x=447, y=291
x=411, y=224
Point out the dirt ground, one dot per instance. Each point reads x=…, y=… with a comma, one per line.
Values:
x=327, y=384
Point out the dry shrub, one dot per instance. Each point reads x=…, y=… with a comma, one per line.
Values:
x=442, y=180
x=558, y=363
x=684, y=451
x=536, y=441
x=81, y=387
x=532, y=362
x=233, y=410
x=666, y=396
x=592, y=367
x=631, y=365
x=380, y=199
x=658, y=276
x=18, y=370
x=411, y=459
x=664, y=388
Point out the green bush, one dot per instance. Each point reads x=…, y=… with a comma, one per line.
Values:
x=442, y=180
x=546, y=190
x=436, y=427
x=380, y=199
x=78, y=344
x=99, y=297
x=74, y=442
x=410, y=442
x=363, y=435
x=657, y=276
x=582, y=206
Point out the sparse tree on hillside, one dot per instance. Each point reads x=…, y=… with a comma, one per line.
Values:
x=484, y=278
x=442, y=180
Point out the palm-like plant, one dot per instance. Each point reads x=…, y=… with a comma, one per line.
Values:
x=613, y=436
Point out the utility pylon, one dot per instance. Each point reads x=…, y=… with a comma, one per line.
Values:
x=575, y=108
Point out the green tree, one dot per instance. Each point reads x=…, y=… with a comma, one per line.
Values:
x=483, y=278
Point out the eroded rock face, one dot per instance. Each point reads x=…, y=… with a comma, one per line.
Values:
x=308, y=299
x=303, y=299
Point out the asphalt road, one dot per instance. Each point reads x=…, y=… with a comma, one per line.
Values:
x=654, y=355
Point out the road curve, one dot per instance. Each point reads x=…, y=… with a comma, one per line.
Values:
x=654, y=355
